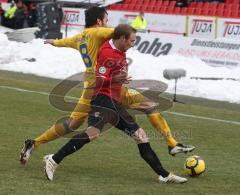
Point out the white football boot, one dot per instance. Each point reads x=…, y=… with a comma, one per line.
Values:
x=171, y=178
x=50, y=166
x=180, y=148
x=26, y=151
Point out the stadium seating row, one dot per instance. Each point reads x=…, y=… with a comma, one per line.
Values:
x=166, y=2
x=168, y=7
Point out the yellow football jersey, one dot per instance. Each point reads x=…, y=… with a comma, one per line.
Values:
x=88, y=44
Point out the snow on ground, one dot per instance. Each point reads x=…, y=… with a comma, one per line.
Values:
x=63, y=62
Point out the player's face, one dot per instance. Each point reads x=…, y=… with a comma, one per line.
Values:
x=130, y=42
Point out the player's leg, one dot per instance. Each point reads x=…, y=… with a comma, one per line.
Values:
x=74, y=144
x=134, y=100
x=76, y=119
x=97, y=118
x=159, y=123
x=148, y=154
x=128, y=125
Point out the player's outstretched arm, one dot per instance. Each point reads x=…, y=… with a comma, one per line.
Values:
x=67, y=42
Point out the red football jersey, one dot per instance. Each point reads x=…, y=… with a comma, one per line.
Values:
x=110, y=62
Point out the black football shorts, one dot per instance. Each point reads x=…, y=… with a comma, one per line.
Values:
x=106, y=110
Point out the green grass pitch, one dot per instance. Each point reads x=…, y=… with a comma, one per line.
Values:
x=111, y=164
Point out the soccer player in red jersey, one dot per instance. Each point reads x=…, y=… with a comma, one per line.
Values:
x=111, y=74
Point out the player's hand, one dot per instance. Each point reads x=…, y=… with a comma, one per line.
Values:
x=48, y=41
x=127, y=81
x=122, y=77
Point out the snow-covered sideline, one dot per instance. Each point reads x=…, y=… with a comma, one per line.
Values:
x=63, y=62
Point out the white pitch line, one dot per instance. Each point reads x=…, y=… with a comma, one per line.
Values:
x=36, y=92
x=202, y=117
x=173, y=113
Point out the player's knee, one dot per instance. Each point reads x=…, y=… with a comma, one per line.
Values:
x=66, y=127
x=71, y=125
x=140, y=136
x=93, y=133
x=148, y=106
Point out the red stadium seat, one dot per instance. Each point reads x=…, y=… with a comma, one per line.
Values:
x=146, y=2
x=131, y=1
x=213, y=6
x=125, y=6
x=152, y=2
x=149, y=9
x=165, y=3
x=236, y=2
x=177, y=10
x=143, y=8
x=118, y=6
x=198, y=11
x=191, y=11
x=163, y=9
x=139, y=2
x=183, y=11
x=206, y=5
x=112, y=7
x=220, y=13
x=193, y=4
x=227, y=13
x=235, y=13
x=205, y=12
x=235, y=7
x=212, y=12
x=221, y=6
x=137, y=7
x=172, y=3
x=228, y=9
x=228, y=6
x=156, y=9
x=131, y=7
x=199, y=5
x=170, y=10
x=159, y=3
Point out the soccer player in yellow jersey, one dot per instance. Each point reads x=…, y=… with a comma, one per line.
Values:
x=88, y=44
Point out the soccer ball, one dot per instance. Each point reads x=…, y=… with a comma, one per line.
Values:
x=194, y=165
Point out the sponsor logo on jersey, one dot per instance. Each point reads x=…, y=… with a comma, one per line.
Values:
x=102, y=70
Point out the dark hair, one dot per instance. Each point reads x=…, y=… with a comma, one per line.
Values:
x=123, y=30
x=92, y=14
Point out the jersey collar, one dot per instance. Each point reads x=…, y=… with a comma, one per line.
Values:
x=112, y=45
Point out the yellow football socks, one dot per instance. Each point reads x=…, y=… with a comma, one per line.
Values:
x=52, y=133
x=161, y=125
